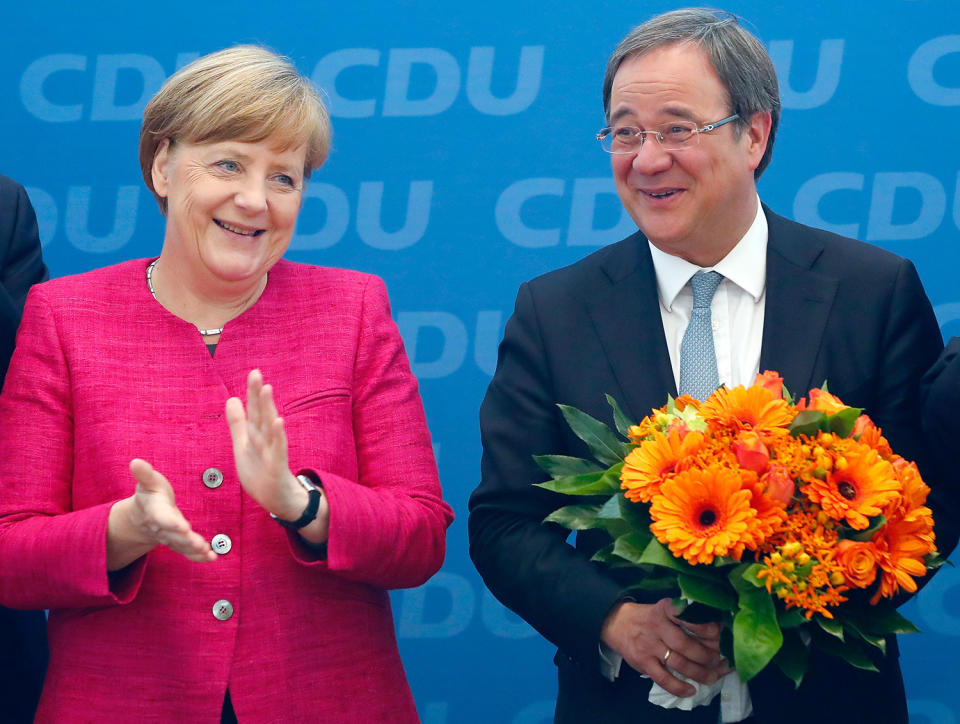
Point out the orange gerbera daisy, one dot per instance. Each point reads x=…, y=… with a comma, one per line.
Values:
x=747, y=408
x=912, y=503
x=771, y=513
x=902, y=545
x=701, y=514
x=649, y=464
x=860, y=484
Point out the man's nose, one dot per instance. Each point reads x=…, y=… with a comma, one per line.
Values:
x=650, y=158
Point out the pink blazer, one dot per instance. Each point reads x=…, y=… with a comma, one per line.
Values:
x=102, y=374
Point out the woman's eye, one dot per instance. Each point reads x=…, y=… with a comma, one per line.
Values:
x=285, y=180
x=227, y=165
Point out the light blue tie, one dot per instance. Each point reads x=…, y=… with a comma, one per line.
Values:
x=698, y=359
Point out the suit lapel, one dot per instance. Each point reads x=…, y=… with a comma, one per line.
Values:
x=798, y=305
x=626, y=314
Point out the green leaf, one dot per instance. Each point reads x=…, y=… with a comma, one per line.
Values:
x=602, y=441
x=619, y=419
x=660, y=581
x=606, y=482
x=656, y=554
x=575, y=517
x=790, y=618
x=807, y=422
x=609, y=518
x=716, y=594
x=831, y=626
x=636, y=514
x=563, y=466
x=850, y=651
x=879, y=642
x=756, y=636
x=790, y=399
x=630, y=546
x=604, y=555
x=792, y=657
x=841, y=423
x=885, y=621
x=876, y=523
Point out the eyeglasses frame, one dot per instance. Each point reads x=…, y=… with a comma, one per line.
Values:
x=604, y=132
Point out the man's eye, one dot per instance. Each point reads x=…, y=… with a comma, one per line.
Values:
x=625, y=133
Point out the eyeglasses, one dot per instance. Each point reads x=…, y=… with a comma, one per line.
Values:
x=673, y=136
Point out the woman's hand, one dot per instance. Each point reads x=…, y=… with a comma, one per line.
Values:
x=260, y=454
x=148, y=518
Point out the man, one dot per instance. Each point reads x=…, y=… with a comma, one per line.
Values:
x=23, y=638
x=692, y=102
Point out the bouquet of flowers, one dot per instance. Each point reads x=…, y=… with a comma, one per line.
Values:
x=794, y=523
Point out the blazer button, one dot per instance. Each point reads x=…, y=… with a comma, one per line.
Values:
x=222, y=610
x=212, y=478
x=221, y=544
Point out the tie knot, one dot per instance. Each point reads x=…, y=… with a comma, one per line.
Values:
x=704, y=287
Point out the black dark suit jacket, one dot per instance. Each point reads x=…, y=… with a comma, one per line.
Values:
x=23, y=637
x=836, y=310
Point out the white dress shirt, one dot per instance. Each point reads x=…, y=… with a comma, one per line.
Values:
x=736, y=309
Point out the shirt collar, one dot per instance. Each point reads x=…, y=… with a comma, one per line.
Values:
x=745, y=265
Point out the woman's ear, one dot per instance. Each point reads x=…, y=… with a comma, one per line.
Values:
x=161, y=168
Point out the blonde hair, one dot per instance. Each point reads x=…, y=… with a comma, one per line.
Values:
x=243, y=93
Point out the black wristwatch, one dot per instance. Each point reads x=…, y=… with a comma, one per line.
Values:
x=310, y=512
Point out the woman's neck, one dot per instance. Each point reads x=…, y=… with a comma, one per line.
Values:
x=209, y=304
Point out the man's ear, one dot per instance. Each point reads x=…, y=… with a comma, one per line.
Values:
x=160, y=171
x=757, y=136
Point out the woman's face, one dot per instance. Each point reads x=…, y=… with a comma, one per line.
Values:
x=231, y=205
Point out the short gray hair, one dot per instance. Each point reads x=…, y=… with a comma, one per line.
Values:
x=739, y=59
x=243, y=93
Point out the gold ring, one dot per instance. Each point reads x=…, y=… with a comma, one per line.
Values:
x=666, y=656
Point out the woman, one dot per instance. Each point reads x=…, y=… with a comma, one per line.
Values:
x=200, y=559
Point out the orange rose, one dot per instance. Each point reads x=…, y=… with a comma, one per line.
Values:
x=859, y=561
x=862, y=424
x=822, y=401
x=778, y=484
x=751, y=453
x=772, y=381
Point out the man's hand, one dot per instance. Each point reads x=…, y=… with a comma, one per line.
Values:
x=650, y=638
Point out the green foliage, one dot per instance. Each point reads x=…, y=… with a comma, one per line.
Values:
x=792, y=657
x=756, y=635
x=602, y=441
x=606, y=482
x=619, y=419
x=562, y=466
x=575, y=517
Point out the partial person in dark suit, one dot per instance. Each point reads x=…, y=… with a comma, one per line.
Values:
x=692, y=103
x=23, y=634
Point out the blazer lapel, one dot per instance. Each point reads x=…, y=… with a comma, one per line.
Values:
x=626, y=315
x=798, y=305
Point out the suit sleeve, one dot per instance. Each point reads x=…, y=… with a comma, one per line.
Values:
x=21, y=265
x=910, y=346
x=388, y=527
x=940, y=397
x=51, y=556
x=528, y=565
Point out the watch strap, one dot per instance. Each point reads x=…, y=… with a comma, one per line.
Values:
x=310, y=512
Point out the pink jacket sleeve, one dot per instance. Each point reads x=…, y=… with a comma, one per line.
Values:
x=50, y=555
x=388, y=527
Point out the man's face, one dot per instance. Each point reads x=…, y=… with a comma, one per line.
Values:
x=695, y=203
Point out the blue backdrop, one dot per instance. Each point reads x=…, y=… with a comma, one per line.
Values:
x=463, y=164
